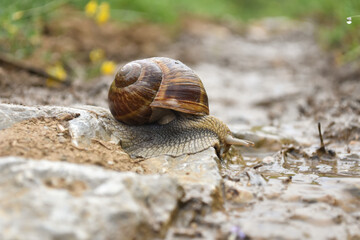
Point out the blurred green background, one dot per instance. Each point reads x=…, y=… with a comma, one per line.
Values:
x=22, y=21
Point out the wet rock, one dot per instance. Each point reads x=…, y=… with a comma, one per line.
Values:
x=294, y=220
x=306, y=193
x=267, y=137
x=197, y=173
x=343, y=190
x=236, y=193
x=268, y=160
x=199, y=176
x=274, y=189
x=300, y=209
x=346, y=128
x=255, y=179
x=57, y=200
x=305, y=178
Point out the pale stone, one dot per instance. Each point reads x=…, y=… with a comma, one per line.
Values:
x=111, y=205
x=197, y=173
x=236, y=193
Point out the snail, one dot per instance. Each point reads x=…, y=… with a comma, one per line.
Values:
x=162, y=108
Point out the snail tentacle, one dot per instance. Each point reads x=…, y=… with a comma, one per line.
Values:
x=229, y=139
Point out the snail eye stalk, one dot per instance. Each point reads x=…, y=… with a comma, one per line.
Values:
x=238, y=142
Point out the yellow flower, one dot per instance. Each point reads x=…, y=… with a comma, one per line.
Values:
x=90, y=8
x=57, y=71
x=103, y=14
x=96, y=55
x=11, y=28
x=108, y=68
x=17, y=15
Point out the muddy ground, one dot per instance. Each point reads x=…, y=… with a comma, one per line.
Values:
x=271, y=83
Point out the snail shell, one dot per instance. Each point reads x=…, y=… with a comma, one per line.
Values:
x=147, y=90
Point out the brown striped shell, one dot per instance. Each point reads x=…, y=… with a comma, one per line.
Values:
x=144, y=90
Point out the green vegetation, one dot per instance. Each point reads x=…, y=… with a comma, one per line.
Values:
x=21, y=24
x=21, y=21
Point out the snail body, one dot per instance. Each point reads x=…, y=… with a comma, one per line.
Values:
x=164, y=108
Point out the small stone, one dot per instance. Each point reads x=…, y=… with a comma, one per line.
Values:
x=61, y=139
x=236, y=193
x=61, y=128
x=268, y=160
x=74, y=143
x=138, y=170
x=285, y=179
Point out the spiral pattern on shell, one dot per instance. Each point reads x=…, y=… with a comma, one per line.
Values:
x=143, y=87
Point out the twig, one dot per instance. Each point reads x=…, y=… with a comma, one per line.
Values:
x=321, y=137
x=101, y=143
x=258, y=166
x=31, y=69
x=322, y=150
